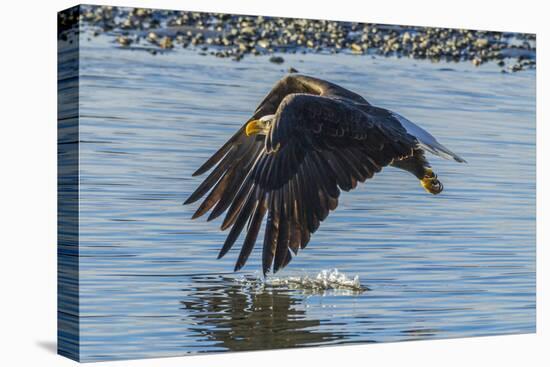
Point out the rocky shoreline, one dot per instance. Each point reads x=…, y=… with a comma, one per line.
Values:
x=236, y=36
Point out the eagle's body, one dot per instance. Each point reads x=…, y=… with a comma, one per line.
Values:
x=307, y=140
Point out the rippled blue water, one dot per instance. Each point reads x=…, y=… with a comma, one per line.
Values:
x=454, y=265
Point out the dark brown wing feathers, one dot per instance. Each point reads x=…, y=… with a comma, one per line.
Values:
x=324, y=139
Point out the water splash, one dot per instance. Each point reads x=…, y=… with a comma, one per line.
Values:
x=325, y=280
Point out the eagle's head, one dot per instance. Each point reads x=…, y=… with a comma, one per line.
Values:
x=260, y=126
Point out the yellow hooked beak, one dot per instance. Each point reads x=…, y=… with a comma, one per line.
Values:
x=254, y=127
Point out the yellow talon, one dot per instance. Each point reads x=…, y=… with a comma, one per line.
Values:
x=430, y=183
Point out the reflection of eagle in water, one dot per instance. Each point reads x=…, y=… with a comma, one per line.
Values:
x=239, y=317
x=307, y=140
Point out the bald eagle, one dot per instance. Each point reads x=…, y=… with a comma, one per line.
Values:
x=307, y=140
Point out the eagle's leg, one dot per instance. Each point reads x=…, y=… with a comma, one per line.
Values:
x=430, y=183
x=420, y=168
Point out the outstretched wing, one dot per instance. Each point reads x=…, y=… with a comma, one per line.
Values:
x=296, y=83
x=317, y=146
x=293, y=83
